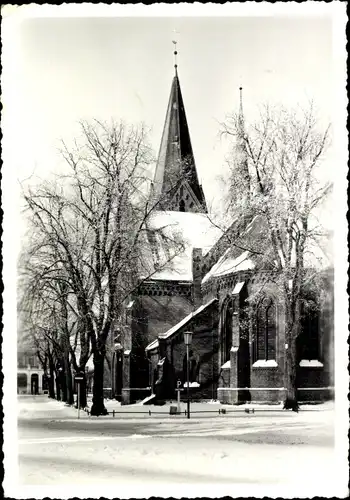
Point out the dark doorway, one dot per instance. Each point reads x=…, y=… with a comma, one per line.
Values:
x=34, y=384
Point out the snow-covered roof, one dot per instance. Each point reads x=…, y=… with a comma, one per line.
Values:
x=227, y=265
x=152, y=345
x=179, y=325
x=238, y=287
x=194, y=229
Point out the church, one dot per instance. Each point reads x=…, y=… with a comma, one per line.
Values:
x=237, y=351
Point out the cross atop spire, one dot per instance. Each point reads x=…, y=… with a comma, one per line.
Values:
x=175, y=50
x=175, y=56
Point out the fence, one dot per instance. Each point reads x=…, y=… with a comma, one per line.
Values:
x=220, y=411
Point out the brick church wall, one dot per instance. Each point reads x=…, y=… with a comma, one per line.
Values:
x=163, y=312
x=205, y=349
x=151, y=316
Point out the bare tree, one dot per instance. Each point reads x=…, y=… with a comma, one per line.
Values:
x=49, y=316
x=93, y=227
x=274, y=176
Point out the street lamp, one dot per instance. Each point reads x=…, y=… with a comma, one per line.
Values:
x=188, y=342
x=113, y=369
x=116, y=353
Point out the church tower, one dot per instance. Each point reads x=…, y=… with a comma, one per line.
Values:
x=176, y=186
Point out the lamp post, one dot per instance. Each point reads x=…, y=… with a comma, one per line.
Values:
x=188, y=342
x=118, y=373
x=117, y=347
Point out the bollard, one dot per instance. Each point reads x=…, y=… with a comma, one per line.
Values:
x=173, y=410
x=113, y=413
x=149, y=412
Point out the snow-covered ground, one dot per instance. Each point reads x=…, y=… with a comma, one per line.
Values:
x=272, y=453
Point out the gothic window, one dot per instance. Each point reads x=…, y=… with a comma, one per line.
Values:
x=182, y=206
x=266, y=331
x=309, y=342
x=226, y=331
x=181, y=191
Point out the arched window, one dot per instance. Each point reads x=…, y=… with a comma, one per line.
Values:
x=309, y=341
x=226, y=331
x=182, y=206
x=266, y=331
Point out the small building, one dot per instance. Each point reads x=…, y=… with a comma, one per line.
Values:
x=30, y=375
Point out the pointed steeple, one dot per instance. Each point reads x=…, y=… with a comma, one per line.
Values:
x=242, y=157
x=175, y=181
x=240, y=114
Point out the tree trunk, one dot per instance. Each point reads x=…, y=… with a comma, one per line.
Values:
x=63, y=385
x=83, y=386
x=58, y=387
x=69, y=381
x=290, y=368
x=98, y=407
x=51, y=380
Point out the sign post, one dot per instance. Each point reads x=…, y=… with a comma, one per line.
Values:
x=178, y=384
x=79, y=400
x=79, y=377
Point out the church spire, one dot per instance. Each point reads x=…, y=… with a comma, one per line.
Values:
x=176, y=176
x=242, y=156
x=241, y=116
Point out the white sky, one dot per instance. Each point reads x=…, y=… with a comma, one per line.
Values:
x=67, y=69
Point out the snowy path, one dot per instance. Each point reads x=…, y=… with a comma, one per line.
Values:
x=285, y=450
